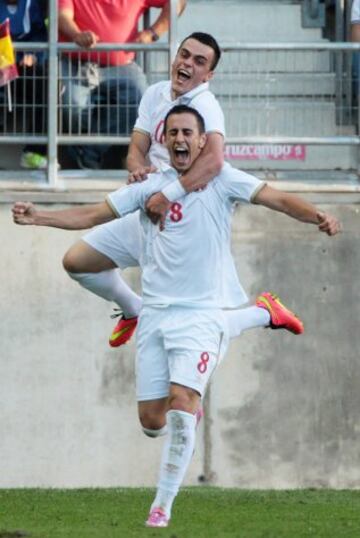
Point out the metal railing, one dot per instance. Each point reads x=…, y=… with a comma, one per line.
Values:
x=257, y=77
x=52, y=135
x=270, y=94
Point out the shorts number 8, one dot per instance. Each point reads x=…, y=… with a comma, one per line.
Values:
x=203, y=363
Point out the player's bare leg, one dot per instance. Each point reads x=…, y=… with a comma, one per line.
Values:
x=152, y=416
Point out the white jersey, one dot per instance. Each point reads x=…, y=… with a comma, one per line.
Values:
x=355, y=12
x=184, y=264
x=156, y=103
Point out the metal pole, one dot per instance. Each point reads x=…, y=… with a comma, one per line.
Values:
x=357, y=68
x=52, y=94
x=173, y=39
x=339, y=37
x=314, y=8
x=146, y=22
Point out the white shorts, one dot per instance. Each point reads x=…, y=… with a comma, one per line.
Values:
x=177, y=345
x=120, y=240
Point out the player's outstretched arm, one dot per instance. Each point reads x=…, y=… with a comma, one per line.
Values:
x=74, y=218
x=298, y=208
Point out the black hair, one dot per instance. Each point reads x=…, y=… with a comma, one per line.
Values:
x=210, y=41
x=184, y=109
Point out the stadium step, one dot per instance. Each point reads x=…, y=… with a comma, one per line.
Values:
x=247, y=21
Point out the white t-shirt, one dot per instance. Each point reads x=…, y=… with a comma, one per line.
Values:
x=156, y=103
x=185, y=264
x=355, y=12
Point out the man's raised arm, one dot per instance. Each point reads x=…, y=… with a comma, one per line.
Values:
x=298, y=208
x=74, y=218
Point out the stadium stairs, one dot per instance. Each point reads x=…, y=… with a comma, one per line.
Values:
x=275, y=93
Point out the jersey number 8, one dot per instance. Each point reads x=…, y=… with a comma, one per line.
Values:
x=175, y=212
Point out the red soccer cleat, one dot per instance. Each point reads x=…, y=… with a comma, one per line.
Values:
x=280, y=316
x=123, y=331
x=157, y=518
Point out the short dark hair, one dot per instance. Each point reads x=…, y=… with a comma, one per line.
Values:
x=184, y=109
x=210, y=41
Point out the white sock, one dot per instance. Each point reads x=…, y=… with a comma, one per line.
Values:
x=176, y=456
x=246, y=318
x=111, y=286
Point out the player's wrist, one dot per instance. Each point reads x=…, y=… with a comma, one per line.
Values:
x=174, y=191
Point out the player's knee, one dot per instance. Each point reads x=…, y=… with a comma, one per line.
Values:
x=151, y=423
x=71, y=262
x=185, y=401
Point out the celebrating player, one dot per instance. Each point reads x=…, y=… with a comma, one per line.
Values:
x=92, y=260
x=182, y=332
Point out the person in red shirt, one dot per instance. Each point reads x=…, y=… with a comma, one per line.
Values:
x=102, y=90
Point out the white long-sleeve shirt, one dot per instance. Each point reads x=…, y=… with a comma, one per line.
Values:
x=188, y=262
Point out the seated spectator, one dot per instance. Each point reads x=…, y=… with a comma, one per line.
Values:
x=101, y=91
x=29, y=92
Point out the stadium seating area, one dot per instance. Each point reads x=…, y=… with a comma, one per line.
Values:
x=265, y=92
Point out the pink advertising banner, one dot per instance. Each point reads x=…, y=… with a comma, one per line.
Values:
x=272, y=152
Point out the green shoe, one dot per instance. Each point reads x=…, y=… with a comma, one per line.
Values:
x=33, y=161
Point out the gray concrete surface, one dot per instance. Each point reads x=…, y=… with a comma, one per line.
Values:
x=283, y=411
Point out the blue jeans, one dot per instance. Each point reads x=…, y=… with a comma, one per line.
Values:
x=99, y=100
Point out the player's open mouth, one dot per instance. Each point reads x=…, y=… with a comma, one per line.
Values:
x=181, y=155
x=183, y=75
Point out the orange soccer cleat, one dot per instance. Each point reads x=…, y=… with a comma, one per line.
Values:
x=280, y=316
x=123, y=331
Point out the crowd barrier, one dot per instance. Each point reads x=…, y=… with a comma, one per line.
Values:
x=274, y=95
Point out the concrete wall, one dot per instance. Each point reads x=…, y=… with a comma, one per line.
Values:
x=283, y=411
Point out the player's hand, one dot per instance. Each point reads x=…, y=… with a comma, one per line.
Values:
x=86, y=39
x=24, y=213
x=328, y=224
x=140, y=174
x=157, y=207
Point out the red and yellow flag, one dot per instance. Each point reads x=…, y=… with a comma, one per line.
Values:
x=8, y=69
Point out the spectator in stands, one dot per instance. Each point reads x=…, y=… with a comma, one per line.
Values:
x=102, y=90
x=27, y=24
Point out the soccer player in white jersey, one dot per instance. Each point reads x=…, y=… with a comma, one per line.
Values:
x=92, y=260
x=182, y=333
